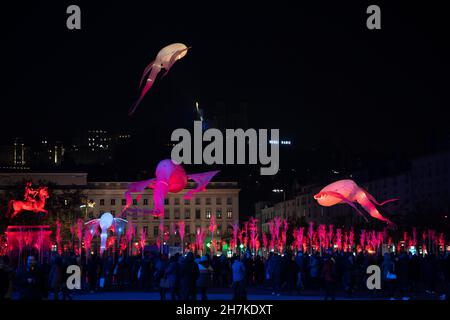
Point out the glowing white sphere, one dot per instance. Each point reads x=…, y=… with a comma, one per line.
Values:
x=106, y=220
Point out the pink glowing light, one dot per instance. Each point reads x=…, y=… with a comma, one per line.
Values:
x=264, y=239
x=181, y=230
x=252, y=226
x=200, y=238
x=414, y=238
x=330, y=235
x=339, y=238
x=235, y=227
x=351, y=238
x=362, y=238
x=58, y=236
x=298, y=238
x=345, y=246
x=142, y=240
x=322, y=233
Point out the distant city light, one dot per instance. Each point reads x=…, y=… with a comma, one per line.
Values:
x=278, y=190
x=285, y=142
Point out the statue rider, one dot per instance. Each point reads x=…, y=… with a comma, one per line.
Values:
x=30, y=193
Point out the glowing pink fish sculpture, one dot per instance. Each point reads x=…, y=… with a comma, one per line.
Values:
x=347, y=191
x=170, y=177
x=165, y=59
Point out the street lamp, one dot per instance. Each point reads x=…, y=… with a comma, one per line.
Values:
x=89, y=204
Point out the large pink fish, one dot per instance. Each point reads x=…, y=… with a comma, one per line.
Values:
x=165, y=59
x=347, y=191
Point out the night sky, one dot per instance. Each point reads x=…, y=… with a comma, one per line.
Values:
x=313, y=70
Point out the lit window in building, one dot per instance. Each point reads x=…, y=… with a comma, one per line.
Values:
x=124, y=202
x=177, y=201
x=187, y=229
x=208, y=214
x=134, y=202
x=229, y=213
x=187, y=202
x=166, y=201
x=187, y=213
x=219, y=213
x=145, y=202
x=102, y=202
x=113, y=202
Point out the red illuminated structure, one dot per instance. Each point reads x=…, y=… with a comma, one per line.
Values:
x=23, y=241
x=34, y=200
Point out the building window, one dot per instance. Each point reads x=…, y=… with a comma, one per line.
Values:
x=197, y=201
x=155, y=231
x=134, y=202
x=219, y=201
x=219, y=213
x=177, y=201
x=135, y=215
x=187, y=213
x=187, y=202
x=166, y=201
x=124, y=202
x=229, y=200
x=113, y=202
x=208, y=214
x=166, y=214
x=145, y=202
x=229, y=213
x=197, y=214
x=208, y=201
x=187, y=229
x=145, y=229
x=102, y=202
x=177, y=213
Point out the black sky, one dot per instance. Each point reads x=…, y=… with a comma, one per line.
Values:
x=313, y=70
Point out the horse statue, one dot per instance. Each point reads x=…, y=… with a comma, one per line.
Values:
x=35, y=204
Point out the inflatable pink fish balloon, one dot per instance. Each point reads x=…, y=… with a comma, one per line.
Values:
x=170, y=177
x=165, y=59
x=347, y=191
